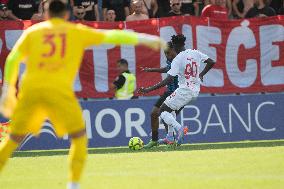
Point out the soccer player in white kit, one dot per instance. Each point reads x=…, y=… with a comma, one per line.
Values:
x=186, y=65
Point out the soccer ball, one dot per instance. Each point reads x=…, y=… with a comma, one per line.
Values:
x=135, y=143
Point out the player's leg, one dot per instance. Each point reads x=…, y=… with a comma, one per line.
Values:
x=169, y=139
x=8, y=146
x=77, y=158
x=154, y=127
x=155, y=121
x=185, y=128
x=168, y=117
x=27, y=118
x=173, y=103
x=66, y=115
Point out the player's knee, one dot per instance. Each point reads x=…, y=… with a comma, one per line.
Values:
x=164, y=116
x=167, y=117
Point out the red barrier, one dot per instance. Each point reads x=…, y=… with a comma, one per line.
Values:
x=249, y=53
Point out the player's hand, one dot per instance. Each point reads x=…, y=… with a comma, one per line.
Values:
x=8, y=101
x=143, y=90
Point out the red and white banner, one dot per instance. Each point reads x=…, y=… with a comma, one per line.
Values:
x=249, y=53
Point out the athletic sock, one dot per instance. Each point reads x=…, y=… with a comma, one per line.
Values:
x=171, y=131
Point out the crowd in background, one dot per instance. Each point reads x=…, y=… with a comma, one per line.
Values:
x=129, y=10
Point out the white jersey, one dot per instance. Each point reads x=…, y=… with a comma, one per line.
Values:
x=186, y=66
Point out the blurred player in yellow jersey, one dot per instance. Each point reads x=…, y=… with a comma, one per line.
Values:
x=52, y=51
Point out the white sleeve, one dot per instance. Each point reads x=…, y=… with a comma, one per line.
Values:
x=174, y=66
x=203, y=57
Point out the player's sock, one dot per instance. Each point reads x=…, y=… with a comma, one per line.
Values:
x=73, y=185
x=77, y=158
x=6, y=149
x=171, y=131
x=170, y=120
x=171, y=128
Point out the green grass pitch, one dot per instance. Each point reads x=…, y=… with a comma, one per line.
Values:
x=241, y=165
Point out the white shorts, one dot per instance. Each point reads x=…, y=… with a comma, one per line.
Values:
x=179, y=98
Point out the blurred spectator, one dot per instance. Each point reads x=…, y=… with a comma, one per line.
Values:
x=121, y=8
x=91, y=10
x=80, y=13
x=22, y=9
x=125, y=84
x=4, y=2
x=281, y=10
x=175, y=8
x=137, y=6
x=40, y=14
x=71, y=7
x=241, y=7
x=163, y=8
x=199, y=5
x=187, y=7
x=217, y=10
x=260, y=9
x=110, y=17
x=6, y=14
x=150, y=8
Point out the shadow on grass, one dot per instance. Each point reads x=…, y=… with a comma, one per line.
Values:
x=187, y=147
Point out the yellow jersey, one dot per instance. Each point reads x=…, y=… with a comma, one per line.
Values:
x=54, y=51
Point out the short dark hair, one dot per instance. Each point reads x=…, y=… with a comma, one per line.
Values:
x=123, y=61
x=170, y=45
x=178, y=40
x=57, y=8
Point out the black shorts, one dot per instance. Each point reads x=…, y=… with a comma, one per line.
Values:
x=162, y=98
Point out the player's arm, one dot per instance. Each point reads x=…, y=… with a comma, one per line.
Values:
x=163, y=83
x=170, y=77
x=159, y=70
x=118, y=83
x=12, y=67
x=119, y=37
x=8, y=97
x=209, y=64
x=91, y=37
x=11, y=71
